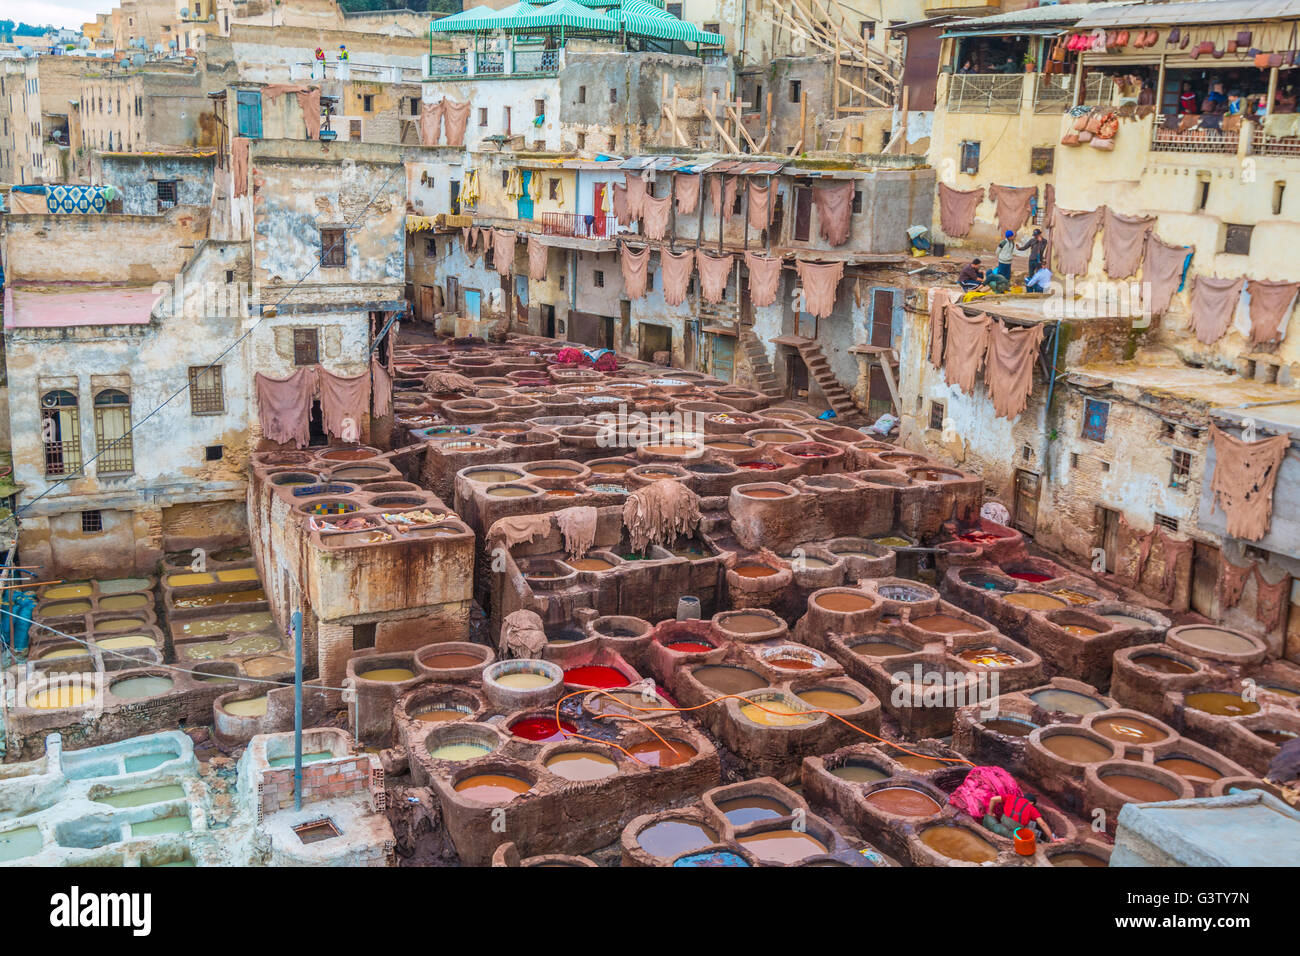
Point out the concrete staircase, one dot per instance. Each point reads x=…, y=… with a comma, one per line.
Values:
x=764, y=376
x=819, y=368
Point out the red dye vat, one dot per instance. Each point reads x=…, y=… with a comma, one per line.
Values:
x=689, y=647
x=595, y=675
x=759, y=465
x=541, y=728
x=1031, y=576
x=978, y=537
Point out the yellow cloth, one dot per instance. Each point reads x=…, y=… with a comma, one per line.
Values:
x=1282, y=124
x=418, y=223
x=514, y=184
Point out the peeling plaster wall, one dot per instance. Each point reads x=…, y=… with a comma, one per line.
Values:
x=136, y=176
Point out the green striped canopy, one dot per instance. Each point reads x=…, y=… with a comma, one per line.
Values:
x=641, y=18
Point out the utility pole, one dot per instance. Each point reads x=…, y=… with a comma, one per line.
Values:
x=297, y=710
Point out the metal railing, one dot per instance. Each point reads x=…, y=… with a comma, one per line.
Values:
x=536, y=61
x=985, y=92
x=490, y=63
x=454, y=65
x=1055, y=94
x=1167, y=139
x=578, y=226
x=1263, y=144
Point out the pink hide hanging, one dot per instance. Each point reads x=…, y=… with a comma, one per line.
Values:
x=819, y=281
x=655, y=216
x=677, y=268
x=342, y=403
x=764, y=277
x=284, y=406
x=634, y=264
x=714, y=273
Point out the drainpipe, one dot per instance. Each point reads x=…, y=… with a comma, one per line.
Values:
x=297, y=710
x=1047, y=409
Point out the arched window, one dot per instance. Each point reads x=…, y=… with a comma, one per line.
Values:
x=60, y=433
x=112, y=432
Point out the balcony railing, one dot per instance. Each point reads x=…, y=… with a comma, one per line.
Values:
x=985, y=92
x=537, y=61
x=1266, y=143
x=453, y=65
x=490, y=63
x=578, y=226
x=1167, y=138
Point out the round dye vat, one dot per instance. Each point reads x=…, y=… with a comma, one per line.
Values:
x=1075, y=858
x=903, y=801
x=65, y=608
x=596, y=675
x=689, y=647
x=879, y=649
x=66, y=591
x=125, y=642
x=843, y=602
x=669, y=451
x=1078, y=630
x=782, y=846
x=728, y=680
x=813, y=564
x=823, y=699
x=1216, y=639
x=451, y=660
x=1163, y=665
x=524, y=680
x=69, y=695
x=490, y=475
x=580, y=766
x=1138, y=788
x=590, y=564
x=1187, y=768
x=610, y=468
x=773, y=713
x=1034, y=602
x=1076, y=748
x=542, y=729
x=944, y=624
x=1283, y=691
x=568, y=493
x=718, y=858
x=510, y=491
x=670, y=838
x=492, y=787
x=1010, y=726
x=920, y=763
x=765, y=493
x=389, y=675
x=859, y=773
x=1221, y=703
x=893, y=541
x=958, y=843
x=248, y=707
x=134, y=688
x=1128, y=730
x=553, y=472
x=1074, y=597
x=729, y=445
x=655, y=753
x=1278, y=737
x=759, y=465
x=743, y=810
x=441, y=716
x=124, y=602
x=458, y=753
x=991, y=657
x=1067, y=702
x=1033, y=577
x=754, y=570
x=348, y=454
x=791, y=663
x=748, y=623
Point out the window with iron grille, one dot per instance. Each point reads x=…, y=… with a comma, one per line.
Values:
x=1166, y=522
x=430, y=248
x=206, y=394
x=306, y=347
x=92, y=522
x=936, y=415
x=333, y=247
x=1181, y=471
x=598, y=278
x=113, y=432
x=166, y=194
x=970, y=157
x=857, y=200
x=61, y=432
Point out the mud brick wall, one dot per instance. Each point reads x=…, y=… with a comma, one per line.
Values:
x=320, y=781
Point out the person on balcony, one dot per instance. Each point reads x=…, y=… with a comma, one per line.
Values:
x=1285, y=100
x=1187, y=99
x=1215, y=100
x=1235, y=105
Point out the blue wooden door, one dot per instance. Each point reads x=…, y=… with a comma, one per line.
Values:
x=249, y=117
x=472, y=299
x=525, y=201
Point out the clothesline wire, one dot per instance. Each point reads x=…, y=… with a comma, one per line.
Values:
x=230, y=348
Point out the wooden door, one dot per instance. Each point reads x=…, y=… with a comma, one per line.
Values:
x=426, y=303
x=1205, y=578
x=1024, y=517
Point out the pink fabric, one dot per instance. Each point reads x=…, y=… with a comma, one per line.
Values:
x=634, y=264
x=537, y=255
x=308, y=102
x=724, y=197
x=979, y=788
x=284, y=406
x=957, y=210
x=621, y=212
x=239, y=164
x=1073, y=232
x=503, y=251
x=1245, y=474
x=1123, y=238
x=1009, y=368
x=686, y=190
x=455, y=117
x=1162, y=271
x=764, y=277
x=714, y=273
x=381, y=389
x=677, y=267
x=1214, y=305
x=940, y=299
x=430, y=123
x=967, y=341
x=1013, y=205
x=760, y=205
x=655, y=216
x=819, y=281
x=343, y=401
x=834, y=204
x=1269, y=304
x=635, y=195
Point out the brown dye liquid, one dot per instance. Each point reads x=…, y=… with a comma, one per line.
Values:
x=1073, y=858
x=221, y=598
x=1283, y=691
x=765, y=493
x=859, y=773
x=610, y=468
x=1128, y=730
x=1078, y=630
x=670, y=451
x=748, y=623
x=1278, y=737
x=1076, y=748
x=1075, y=597
x=919, y=764
x=791, y=663
x=441, y=716
x=829, y=699
x=903, y=801
x=492, y=787
x=452, y=659
x=1012, y=728
x=754, y=570
x=988, y=657
x=843, y=602
x=488, y=475
x=670, y=838
x=1138, y=788
x=782, y=846
x=958, y=843
x=590, y=564
x=576, y=765
x=1125, y=620
x=562, y=492
x=348, y=454
x=729, y=445
x=944, y=624
x=1034, y=602
x=552, y=472
x=1221, y=703
x=1164, y=665
x=742, y=810
x=509, y=491
x=1216, y=639
x=656, y=754
x=879, y=649
x=1185, y=767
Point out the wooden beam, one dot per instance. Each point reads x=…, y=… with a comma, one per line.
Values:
x=722, y=132
x=870, y=96
x=753, y=148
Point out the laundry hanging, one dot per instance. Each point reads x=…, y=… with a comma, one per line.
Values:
x=621, y=212
x=760, y=205
x=819, y=281
x=1214, y=302
x=1073, y=233
x=834, y=204
x=1162, y=271
x=957, y=210
x=764, y=277
x=284, y=406
x=634, y=264
x=715, y=271
x=1270, y=308
x=455, y=117
x=537, y=255
x=381, y=389
x=636, y=193
x=1270, y=596
x=940, y=299
x=677, y=268
x=655, y=216
x=514, y=183
x=503, y=251
x=1123, y=240
x=1245, y=474
x=686, y=190
x=1009, y=367
x=967, y=340
x=1013, y=204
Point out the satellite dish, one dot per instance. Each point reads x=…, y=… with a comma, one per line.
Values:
x=157, y=48
x=137, y=59
x=185, y=11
